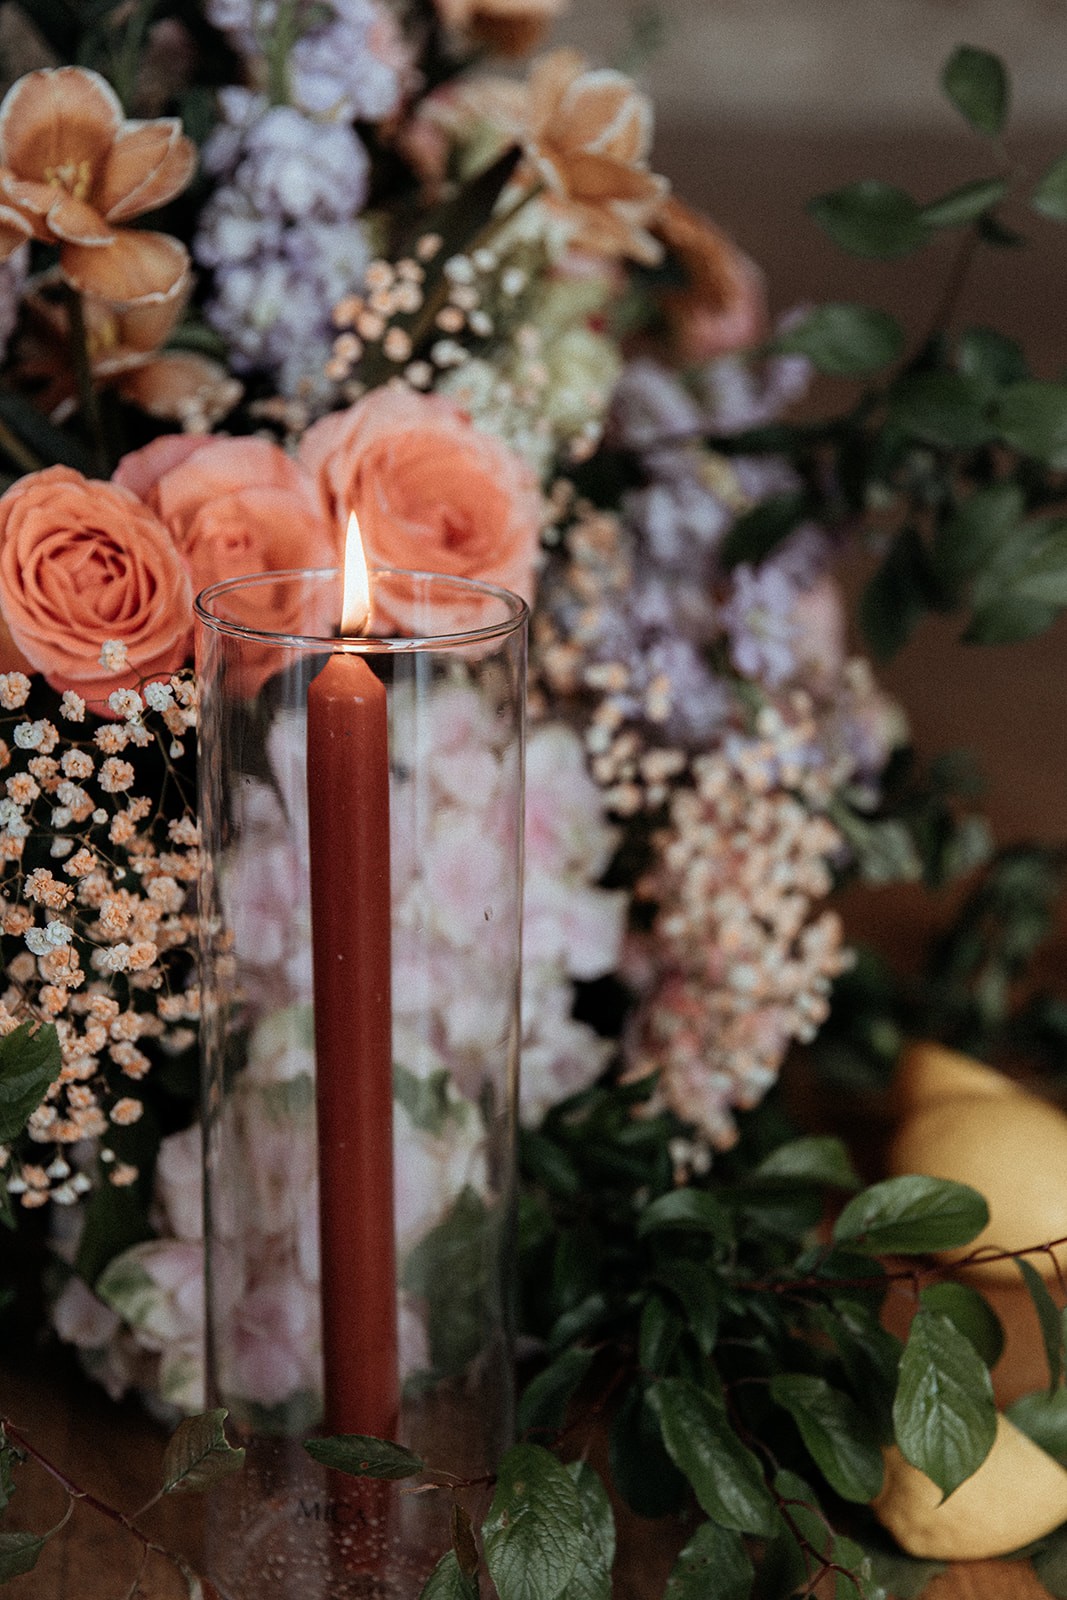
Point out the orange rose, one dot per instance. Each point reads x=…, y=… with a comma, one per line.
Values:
x=82, y=562
x=238, y=507
x=432, y=492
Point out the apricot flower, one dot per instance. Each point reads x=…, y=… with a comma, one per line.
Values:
x=432, y=492
x=508, y=27
x=588, y=137
x=81, y=563
x=72, y=169
x=723, y=306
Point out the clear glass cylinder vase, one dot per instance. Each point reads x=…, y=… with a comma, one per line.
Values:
x=361, y=810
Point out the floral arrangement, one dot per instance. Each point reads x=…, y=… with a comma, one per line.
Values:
x=390, y=278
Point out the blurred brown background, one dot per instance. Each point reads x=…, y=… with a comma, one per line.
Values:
x=762, y=104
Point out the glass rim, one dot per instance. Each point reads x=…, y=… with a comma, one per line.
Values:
x=517, y=613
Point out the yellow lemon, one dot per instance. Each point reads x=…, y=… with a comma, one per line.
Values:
x=930, y=1072
x=1019, y=1493
x=1012, y=1148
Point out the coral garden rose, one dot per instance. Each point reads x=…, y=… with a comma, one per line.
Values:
x=83, y=562
x=72, y=169
x=432, y=493
x=237, y=507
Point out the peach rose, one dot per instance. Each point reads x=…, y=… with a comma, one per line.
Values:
x=239, y=507
x=82, y=562
x=432, y=492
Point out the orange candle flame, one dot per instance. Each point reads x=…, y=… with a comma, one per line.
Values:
x=356, y=602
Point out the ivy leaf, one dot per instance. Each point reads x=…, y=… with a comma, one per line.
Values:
x=690, y=1210
x=971, y=1313
x=1048, y=1319
x=362, y=1456
x=818, y=1158
x=544, y=1400
x=448, y=1581
x=977, y=84
x=845, y=340
x=199, y=1454
x=714, y=1562
x=871, y=218
x=29, y=1063
x=534, y=1534
x=19, y=1553
x=836, y=1433
x=944, y=1415
x=965, y=204
x=1043, y=1418
x=725, y=1476
x=912, y=1215
x=1049, y=195
x=757, y=533
x=1031, y=416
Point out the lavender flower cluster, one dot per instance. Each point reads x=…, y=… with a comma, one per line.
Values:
x=282, y=232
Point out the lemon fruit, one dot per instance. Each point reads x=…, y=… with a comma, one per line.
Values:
x=1018, y=1494
x=930, y=1072
x=1004, y=1142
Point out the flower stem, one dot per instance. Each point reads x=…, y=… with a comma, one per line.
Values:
x=83, y=372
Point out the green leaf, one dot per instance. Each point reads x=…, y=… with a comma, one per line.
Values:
x=965, y=204
x=696, y=1289
x=944, y=409
x=1049, y=195
x=896, y=599
x=871, y=218
x=1042, y=575
x=10, y=1457
x=198, y=1454
x=363, y=1456
x=641, y=1469
x=450, y=1268
x=19, y=1553
x=971, y=1313
x=817, y=1158
x=725, y=1475
x=991, y=356
x=714, y=1562
x=1032, y=417
x=977, y=84
x=544, y=1401
x=836, y=1433
x=688, y=1210
x=944, y=1415
x=912, y=1215
x=51, y=445
x=534, y=1534
x=592, y=1576
x=424, y=1099
x=979, y=529
x=464, y=1544
x=1048, y=1319
x=904, y=1577
x=845, y=340
x=448, y=1581
x=757, y=533
x=1043, y=1418
x=659, y=1334
x=30, y=1062
x=1050, y=1564
x=1009, y=620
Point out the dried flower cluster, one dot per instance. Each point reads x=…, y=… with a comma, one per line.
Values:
x=99, y=845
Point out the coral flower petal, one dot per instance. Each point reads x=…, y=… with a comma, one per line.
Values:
x=178, y=382
x=57, y=124
x=71, y=221
x=593, y=177
x=137, y=268
x=148, y=164
x=549, y=80
x=602, y=112
x=14, y=230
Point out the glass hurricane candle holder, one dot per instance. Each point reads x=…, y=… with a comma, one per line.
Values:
x=361, y=805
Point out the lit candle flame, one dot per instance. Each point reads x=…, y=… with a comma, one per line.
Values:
x=355, y=606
